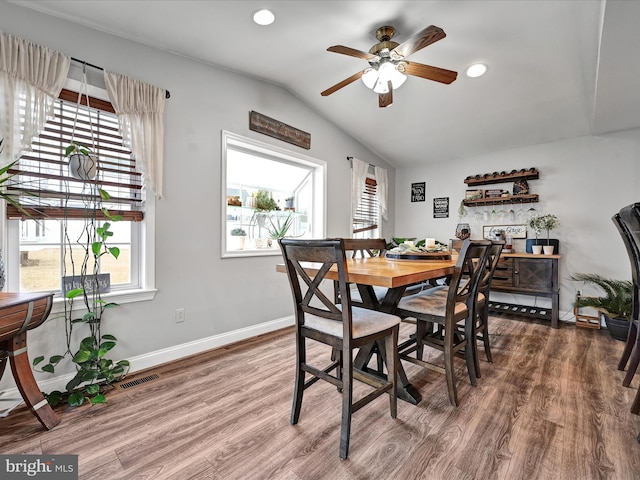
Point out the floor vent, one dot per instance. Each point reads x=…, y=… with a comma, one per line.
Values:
x=138, y=381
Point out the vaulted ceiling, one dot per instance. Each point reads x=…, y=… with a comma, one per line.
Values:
x=557, y=69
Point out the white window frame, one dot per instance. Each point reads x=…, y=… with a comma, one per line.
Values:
x=318, y=216
x=142, y=286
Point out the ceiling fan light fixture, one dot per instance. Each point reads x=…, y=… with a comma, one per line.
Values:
x=397, y=78
x=369, y=77
x=476, y=70
x=381, y=86
x=263, y=17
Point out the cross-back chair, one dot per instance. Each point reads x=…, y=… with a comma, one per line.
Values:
x=628, y=223
x=341, y=326
x=444, y=316
x=481, y=307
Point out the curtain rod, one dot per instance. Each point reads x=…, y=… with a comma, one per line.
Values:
x=167, y=93
x=351, y=158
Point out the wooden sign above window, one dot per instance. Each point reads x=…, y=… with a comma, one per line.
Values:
x=276, y=129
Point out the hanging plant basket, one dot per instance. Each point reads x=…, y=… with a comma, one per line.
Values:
x=83, y=167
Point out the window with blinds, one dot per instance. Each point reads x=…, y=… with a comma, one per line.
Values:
x=367, y=216
x=42, y=180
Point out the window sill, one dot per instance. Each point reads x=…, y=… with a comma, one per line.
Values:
x=120, y=297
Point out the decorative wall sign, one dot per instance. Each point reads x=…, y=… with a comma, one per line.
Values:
x=441, y=207
x=72, y=282
x=418, y=191
x=514, y=231
x=276, y=129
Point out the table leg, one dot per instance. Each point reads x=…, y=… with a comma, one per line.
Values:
x=23, y=376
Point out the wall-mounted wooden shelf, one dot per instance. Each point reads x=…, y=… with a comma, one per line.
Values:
x=490, y=178
x=511, y=199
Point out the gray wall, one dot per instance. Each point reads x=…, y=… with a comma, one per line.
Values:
x=218, y=295
x=583, y=181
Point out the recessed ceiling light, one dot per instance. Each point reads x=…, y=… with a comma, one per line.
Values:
x=263, y=17
x=476, y=70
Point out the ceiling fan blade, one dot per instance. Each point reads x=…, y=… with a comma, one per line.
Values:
x=386, y=99
x=424, y=37
x=343, y=83
x=430, y=73
x=352, y=52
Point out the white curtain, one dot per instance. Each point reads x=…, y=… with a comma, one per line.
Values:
x=140, y=110
x=382, y=188
x=358, y=178
x=31, y=78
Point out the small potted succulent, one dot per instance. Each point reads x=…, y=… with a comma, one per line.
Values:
x=238, y=236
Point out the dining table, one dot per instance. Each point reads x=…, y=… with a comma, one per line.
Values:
x=396, y=276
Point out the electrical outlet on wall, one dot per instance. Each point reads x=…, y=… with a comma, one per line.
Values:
x=179, y=315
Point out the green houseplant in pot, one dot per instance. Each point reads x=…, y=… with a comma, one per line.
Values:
x=535, y=224
x=615, y=306
x=549, y=222
x=238, y=236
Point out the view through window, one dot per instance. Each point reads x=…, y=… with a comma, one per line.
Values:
x=270, y=193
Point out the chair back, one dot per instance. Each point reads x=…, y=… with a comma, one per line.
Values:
x=628, y=223
x=493, y=257
x=364, y=247
x=307, y=295
x=471, y=263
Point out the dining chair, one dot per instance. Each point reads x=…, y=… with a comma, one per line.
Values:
x=444, y=316
x=481, y=306
x=343, y=327
x=628, y=223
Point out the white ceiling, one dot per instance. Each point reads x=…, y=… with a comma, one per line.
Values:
x=557, y=69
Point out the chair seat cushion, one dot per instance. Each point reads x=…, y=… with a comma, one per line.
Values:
x=364, y=322
x=430, y=302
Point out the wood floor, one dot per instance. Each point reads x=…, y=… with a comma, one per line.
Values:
x=551, y=407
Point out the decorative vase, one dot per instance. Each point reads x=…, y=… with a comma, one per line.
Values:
x=548, y=249
x=536, y=249
x=463, y=231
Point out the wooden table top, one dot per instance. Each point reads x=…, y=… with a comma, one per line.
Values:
x=382, y=272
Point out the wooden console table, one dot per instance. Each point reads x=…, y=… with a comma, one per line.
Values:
x=20, y=312
x=527, y=274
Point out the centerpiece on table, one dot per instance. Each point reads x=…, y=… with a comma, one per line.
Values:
x=428, y=249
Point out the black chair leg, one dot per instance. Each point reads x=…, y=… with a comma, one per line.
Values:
x=299, y=383
x=485, y=332
x=347, y=400
x=628, y=347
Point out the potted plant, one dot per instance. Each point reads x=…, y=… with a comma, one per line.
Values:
x=288, y=203
x=280, y=227
x=615, y=306
x=238, y=236
x=263, y=206
x=535, y=224
x=549, y=222
x=83, y=163
x=85, y=309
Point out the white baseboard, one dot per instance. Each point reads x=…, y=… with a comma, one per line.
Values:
x=159, y=357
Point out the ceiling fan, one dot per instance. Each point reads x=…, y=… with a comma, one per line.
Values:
x=388, y=67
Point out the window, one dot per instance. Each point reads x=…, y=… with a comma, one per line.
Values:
x=367, y=217
x=268, y=192
x=59, y=201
